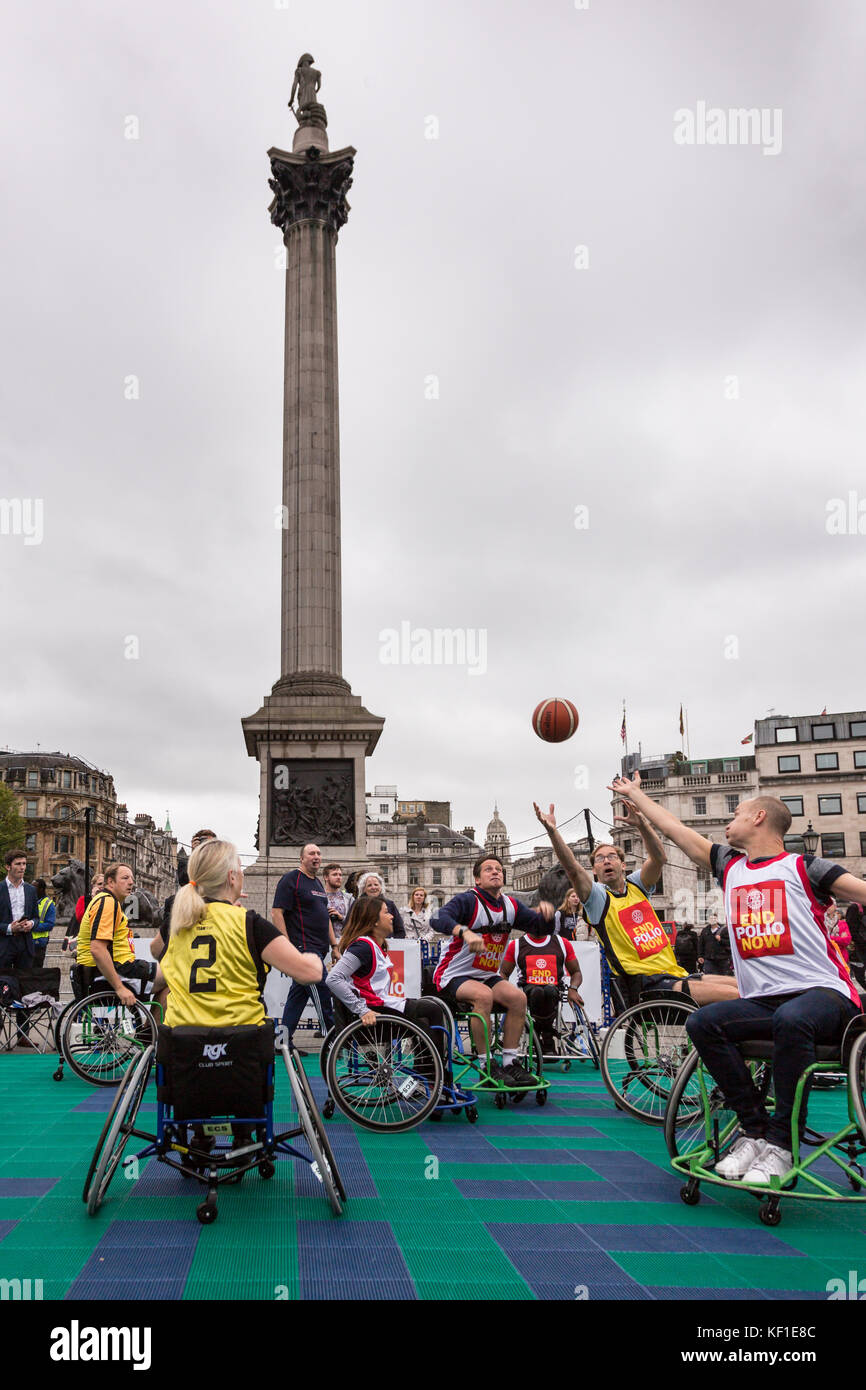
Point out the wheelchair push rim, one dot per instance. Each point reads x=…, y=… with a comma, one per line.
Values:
x=306, y=1110
x=386, y=1076
x=117, y=1131
x=655, y=1046
x=112, y=1037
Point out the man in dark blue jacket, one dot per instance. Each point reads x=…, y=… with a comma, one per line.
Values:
x=19, y=911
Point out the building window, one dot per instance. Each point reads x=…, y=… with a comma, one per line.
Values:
x=858, y=728
x=64, y=813
x=67, y=779
x=383, y=809
x=383, y=874
x=789, y=763
x=32, y=778
x=861, y=805
x=826, y=762
x=732, y=803
x=863, y=842
x=461, y=875
x=794, y=844
x=63, y=844
x=626, y=844
x=788, y=734
x=731, y=765
x=30, y=808
x=437, y=877
x=860, y=758
x=823, y=731
x=699, y=769
x=833, y=845
x=414, y=879
x=383, y=846
x=30, y=844
x=794, y=804
x=829, y=805
x=700, y=805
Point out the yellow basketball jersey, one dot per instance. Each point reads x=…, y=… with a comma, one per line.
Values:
x=633, y=937
x=212, y=973
x=104, y=921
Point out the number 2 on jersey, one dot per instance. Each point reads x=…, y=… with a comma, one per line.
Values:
x=196, y=986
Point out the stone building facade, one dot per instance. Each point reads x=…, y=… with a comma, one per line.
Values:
x=421, y=854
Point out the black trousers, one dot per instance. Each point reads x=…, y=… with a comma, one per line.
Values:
x=542, y=1001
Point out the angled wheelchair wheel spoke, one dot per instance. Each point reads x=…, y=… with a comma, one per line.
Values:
x=101, y=1039
x=385, y=1076
x=642, y=1054
x=116, y=1131
x=324, y=1164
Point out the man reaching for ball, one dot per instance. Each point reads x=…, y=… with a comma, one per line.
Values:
x=636, y=944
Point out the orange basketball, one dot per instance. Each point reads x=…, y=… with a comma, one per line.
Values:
x=555, y=720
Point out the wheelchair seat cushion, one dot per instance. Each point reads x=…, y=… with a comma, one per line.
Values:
x=216, y=1071
x=762, y=1051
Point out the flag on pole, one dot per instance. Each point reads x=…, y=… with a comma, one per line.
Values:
x=622, y=730
x=682, y=725
x=824, y=710
x=748, y=739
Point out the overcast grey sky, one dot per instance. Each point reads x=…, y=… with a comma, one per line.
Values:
x=607, y=387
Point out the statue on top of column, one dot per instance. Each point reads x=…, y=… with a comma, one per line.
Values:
x=307, y=82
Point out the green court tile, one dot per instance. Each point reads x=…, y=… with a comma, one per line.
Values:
x=777, y=1271
x=262, y=1261
x=477, y=1267
x=827, y=1244
x=440, y=1292
x=37, y=1262
x=644, y=1214
x=50, y=1236
x=441, y=1235
x=550, y=1172
x=16, y=1208
x=239, y=1290
x=536, y=1210
x=440, y=1190
x=698, y=1271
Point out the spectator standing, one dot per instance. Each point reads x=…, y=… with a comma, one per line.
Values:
x=18, y=914
x=715, y=949
x=417, y=921
x=856, y=922
x=339, y=901
x=567, y=918
x=97, y=883
x=686, y=947
x=44, y=923
x=371, y=884
x=838, y=931
x=302, y=914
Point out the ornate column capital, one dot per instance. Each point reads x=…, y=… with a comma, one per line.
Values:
x=310, y=187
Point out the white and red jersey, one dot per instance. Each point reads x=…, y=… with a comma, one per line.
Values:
x=778, y=939
x=494, y=923
x=540, y=960
x=376, y=988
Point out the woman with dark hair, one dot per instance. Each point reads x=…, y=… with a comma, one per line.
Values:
x=363, y=982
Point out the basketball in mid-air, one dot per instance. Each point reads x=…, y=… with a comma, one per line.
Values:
x=555, y=720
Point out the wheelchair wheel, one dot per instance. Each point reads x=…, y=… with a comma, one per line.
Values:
x=324, y=1142
x=580, y=1041
x=690, y=1124
x=116, y=1132
x=386, y=1076
x=641, y=1054
x=321, y=1165
x=325, y=1049
x=101, y=1039
x=857, y=1081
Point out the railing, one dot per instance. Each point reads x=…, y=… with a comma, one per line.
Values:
x=730, y=777
x=696, y=781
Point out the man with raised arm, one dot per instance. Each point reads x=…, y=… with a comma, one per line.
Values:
x=638, y=949
x=795, y=987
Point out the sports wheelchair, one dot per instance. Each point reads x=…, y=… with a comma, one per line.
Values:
x=643, y=1050
x=214, y=1119
x=573, y=1035
x=96, y=1035
x=470, y=1064
x=699, y=1127
x=29, y=1025
x=389, y=1076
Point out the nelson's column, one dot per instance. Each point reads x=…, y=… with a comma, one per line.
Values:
x=311, y=735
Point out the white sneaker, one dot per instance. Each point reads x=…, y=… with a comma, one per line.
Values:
x=739, y=1159
x=772, y=1162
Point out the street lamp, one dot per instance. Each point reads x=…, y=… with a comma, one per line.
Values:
x=810, y=839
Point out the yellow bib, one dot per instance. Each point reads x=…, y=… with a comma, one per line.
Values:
x=215, y=981
x=104, y=921
x=634, y=938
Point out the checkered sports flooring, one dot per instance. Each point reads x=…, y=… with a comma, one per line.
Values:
x=530, y=1203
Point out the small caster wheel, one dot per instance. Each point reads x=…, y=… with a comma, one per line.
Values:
x=566, y=1066
x=541, y=1097
x=267, y=1168
x=517, y=1097
x=206, y=1213
x=58, y=1074
x=328, y=1108
x=499, y=1100
x=436, y=1116
x=691, y=1193
x=769, y=1213
x=472, y=1114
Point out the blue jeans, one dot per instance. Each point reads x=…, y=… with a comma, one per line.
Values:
x=795, y=1023
x=297, y=1002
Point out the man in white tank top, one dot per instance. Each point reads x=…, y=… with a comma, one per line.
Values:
x=794, y=984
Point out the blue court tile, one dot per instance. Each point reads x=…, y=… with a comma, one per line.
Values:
x=574, y=1267
x=26, y=1187
x=652, y=1191
x=6, y=1227
x=343, y=1264
x=541, y=1236
x=351, y=1289
x=565, y=1293
x=547, y=1157
x=792, y=1295
x=356, y=1179
x=156, y=1179
x=598, y=1191
x=654, y=1239
x=618, y=1163
x=166, y=1264
x=503, y=1188
x=534, y=1131
x=351, y=1234
x=172, y=1235
x=133, y=1290
x=102, y=1100
x=732, y=1241
x=664, y=1292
